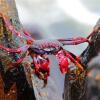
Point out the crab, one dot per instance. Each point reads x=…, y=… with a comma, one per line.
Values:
x=39, y=50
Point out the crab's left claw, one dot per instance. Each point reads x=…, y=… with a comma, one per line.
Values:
x=42, y=70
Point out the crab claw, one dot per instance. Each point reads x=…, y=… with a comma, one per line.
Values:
x=42, y=69
x=63, y=62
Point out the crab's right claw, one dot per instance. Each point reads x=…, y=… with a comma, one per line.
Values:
x=63, y=62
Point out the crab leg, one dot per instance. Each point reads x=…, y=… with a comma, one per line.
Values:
x=14, y=31
x=10, y=49
x=75, y=61
x=73, y=41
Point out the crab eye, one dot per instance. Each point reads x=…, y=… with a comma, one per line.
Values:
x=63, y=62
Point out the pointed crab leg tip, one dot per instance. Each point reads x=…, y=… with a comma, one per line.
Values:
x=91, y=34
x=90, y=42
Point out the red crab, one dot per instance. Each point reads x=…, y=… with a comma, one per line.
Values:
x=39, y=50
